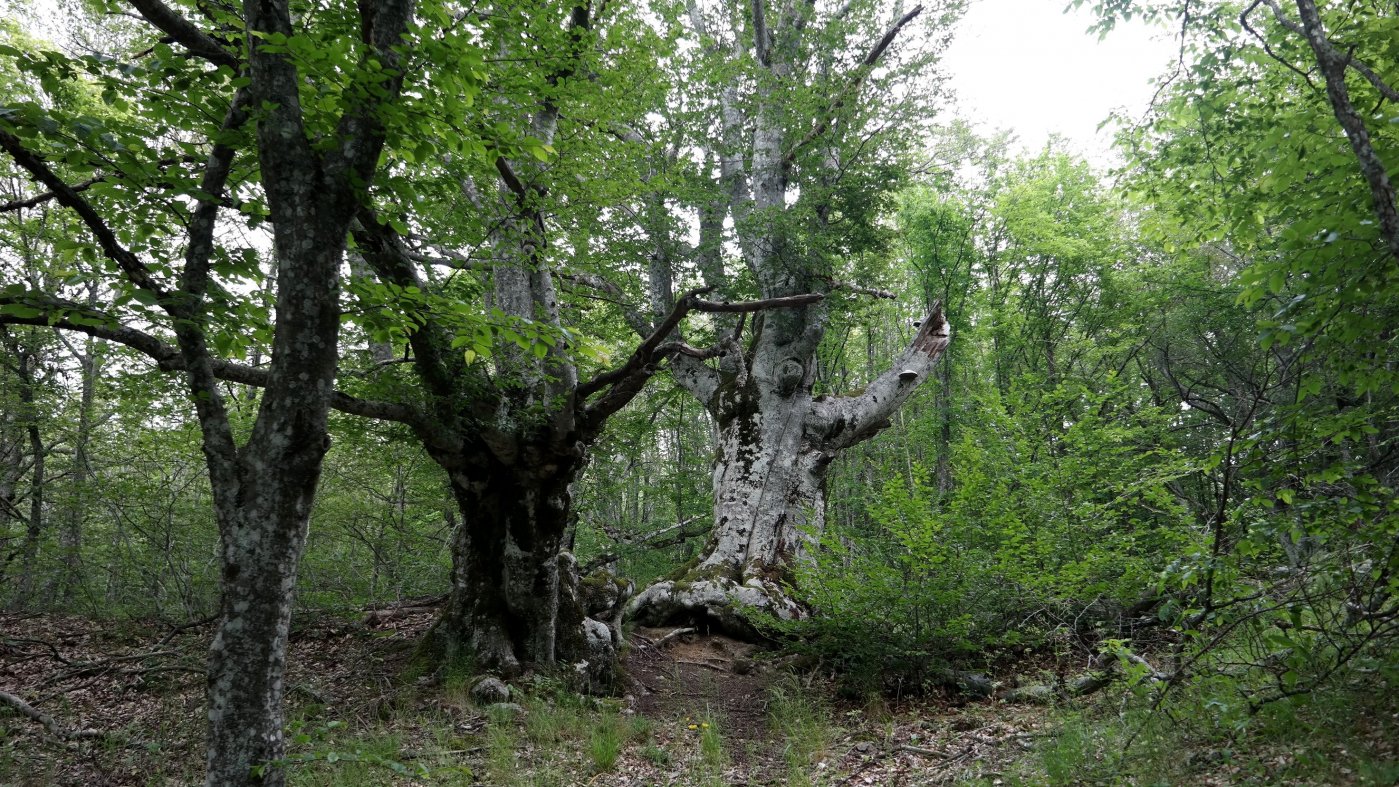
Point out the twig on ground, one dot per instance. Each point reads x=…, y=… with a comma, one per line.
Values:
x=49, y=723
x=676, y=634
x=177, y=628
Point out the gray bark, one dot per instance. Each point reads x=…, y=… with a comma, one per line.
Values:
x=263, y=491
x=775, y=441
x=775, y=444
x=1333, y=64
x=70, y=536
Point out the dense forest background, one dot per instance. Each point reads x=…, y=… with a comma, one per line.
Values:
x=1156, y=461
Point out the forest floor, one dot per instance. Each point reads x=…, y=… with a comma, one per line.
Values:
x=124, y=706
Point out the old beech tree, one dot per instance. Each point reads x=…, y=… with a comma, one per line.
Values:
x=794, y=150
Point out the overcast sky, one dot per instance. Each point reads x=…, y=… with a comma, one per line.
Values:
x=1028, y=66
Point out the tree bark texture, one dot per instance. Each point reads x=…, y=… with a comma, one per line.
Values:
x=505, y=583
x=774, y=440
x=775, y=443
x=515, y=599
x=70, y=537
x=263, y=491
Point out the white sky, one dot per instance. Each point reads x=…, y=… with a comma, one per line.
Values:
x=1027, y=66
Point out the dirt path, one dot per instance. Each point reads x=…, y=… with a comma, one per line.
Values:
x=701, y=711
x=677, y=677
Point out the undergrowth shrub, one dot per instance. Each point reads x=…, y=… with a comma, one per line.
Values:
x=894, y=610
x=888, y=620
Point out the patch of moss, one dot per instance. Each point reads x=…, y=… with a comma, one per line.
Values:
x=438, y=652
x=691, y=572
x=683, y=571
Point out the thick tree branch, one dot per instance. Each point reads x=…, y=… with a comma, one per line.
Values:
x=1360, y=67
x=695, y=376
x=79, y=318
x=857, y=79
x=220, y=445
x=845, y=421
x=449, y=259
x=55, y=729
x=77, y=188
x=873, y=292
x=185, y=33
x=135, y=270
x=626, y=381
x=361, y=130
x=194, y=280
x=386, y=254
x=762, y=47
x=284, y=151
x=509, y=178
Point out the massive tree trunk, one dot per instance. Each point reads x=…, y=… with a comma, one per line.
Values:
x=775, y=444
x=508, y=605
x=512, y=437
x=263, y=528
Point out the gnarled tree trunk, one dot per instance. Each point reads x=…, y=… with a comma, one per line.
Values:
x=775, y=444
x=510, y=603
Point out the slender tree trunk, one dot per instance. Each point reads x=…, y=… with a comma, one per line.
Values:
x=262, y=499
x=70, y=538
x=34, y=524
x=264, y=533
x=10, y=470
x=944, y=409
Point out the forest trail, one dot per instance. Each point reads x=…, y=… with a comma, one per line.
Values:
x=779, y=728
x=678, y=677
x=698, y=709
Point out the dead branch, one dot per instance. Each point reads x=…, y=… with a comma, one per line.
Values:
x=52, y=648
x=83, y=669
x=860, y=290
x=862, y=72
x=674, y=635
x=651, y=539
x=402, y=609
x=705, y=664
x=48, y=722
x=178, y=628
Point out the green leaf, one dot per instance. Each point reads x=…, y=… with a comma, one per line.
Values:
x=20, y=310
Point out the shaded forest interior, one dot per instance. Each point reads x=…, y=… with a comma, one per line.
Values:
x=681, y=393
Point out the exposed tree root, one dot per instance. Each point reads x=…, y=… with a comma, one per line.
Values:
x=719, y=603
